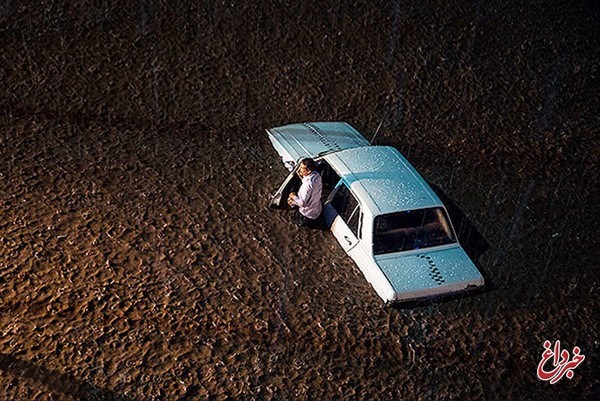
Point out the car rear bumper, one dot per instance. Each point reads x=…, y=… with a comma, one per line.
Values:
x=470, y=290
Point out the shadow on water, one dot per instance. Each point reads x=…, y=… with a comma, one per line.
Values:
x=57, y=382
x=469, y=237
x=471, y=240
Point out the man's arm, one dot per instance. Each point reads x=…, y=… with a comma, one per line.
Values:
x=303, y=195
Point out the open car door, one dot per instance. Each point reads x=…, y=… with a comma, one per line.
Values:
x=291, y=183
x=297, y=141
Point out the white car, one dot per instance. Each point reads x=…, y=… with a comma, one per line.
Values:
x=381, y=211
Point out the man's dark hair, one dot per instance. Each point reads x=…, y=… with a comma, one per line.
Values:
x=309, y=164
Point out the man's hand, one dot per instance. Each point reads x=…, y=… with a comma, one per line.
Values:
x=291, y=197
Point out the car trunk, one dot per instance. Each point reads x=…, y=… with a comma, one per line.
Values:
x=429, y=273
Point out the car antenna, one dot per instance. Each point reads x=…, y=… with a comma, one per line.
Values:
x=385, y=116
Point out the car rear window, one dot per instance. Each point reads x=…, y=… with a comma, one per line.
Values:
x=411, y=229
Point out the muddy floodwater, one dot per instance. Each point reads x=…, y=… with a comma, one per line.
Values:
x=139, y=260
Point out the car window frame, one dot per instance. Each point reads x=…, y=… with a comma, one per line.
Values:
x=356, y=228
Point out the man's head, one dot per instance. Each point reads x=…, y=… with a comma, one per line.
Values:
x=307, y=166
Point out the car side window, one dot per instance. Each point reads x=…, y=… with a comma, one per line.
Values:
x=347, y=208
x=329, y=176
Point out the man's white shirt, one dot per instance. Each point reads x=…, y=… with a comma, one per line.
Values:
x=308, y=198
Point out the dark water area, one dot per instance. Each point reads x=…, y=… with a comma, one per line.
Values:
x=139, y=259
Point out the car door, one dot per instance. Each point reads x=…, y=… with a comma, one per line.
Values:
x=343, y=215
x=279, y=198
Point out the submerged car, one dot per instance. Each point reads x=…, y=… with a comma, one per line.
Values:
x=382, y=212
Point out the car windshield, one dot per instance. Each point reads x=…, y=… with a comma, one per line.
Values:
x=411, y=229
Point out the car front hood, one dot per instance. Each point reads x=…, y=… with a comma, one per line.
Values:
x=296, y=141
x=429, y=273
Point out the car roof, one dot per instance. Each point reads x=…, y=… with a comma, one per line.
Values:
x=382, y=179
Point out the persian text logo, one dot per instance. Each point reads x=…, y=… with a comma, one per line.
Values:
x=561, y=361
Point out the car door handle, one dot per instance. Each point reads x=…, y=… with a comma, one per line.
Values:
x=348, y=239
